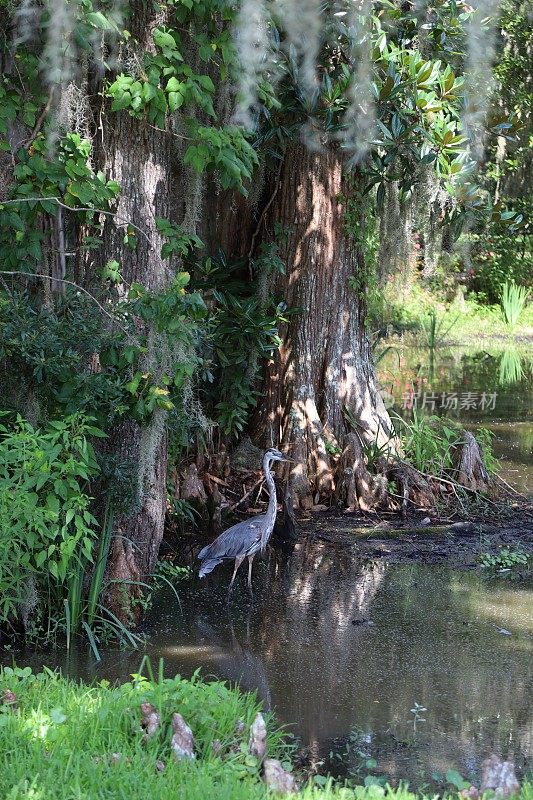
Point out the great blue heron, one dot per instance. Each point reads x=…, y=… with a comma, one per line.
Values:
x=246, y=538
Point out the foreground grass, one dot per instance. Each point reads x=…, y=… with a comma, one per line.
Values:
x=68, y=741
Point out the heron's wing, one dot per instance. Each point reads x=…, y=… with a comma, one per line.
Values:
x=236, y=541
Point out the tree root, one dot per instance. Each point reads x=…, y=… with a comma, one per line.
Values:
x=471, y=470
x=356, y=487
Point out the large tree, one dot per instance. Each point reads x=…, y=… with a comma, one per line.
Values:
x=119, y=146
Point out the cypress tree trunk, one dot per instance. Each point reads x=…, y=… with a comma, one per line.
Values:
x=324, y=365
x=139, y=158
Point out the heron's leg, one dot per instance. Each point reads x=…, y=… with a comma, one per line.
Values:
x=250, y=562
x=238, y=562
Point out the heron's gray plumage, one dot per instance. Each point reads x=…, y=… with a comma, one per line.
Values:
x=246, y=538
x=243, y=539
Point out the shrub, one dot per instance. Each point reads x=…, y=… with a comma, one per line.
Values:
x=46, y=526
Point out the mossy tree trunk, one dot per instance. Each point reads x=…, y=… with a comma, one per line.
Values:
x=140, y=159
x=324, y=365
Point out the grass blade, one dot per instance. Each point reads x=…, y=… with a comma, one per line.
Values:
x=92, y=641
x=67, y=621
x=97, y=578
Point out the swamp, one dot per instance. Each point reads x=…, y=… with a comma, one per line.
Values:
x=266, y=399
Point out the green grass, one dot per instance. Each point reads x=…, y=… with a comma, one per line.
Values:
x=58, y=743
x=459, y=322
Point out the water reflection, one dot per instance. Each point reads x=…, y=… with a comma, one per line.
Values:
x=468, y=374
x=333, y=645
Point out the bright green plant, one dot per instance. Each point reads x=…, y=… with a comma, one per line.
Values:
x=40, y=182
x=510, y=368
x=513, y=301
x=52, y=352
x=46, y=526
x=429, y=442
x=505, y=559
x=70, y=735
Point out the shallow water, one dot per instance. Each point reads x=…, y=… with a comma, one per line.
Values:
x=337, y=647
x=492, y=388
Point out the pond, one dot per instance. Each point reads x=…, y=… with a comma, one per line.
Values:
x=480, y=387
x=421, y=668
x=343, y=650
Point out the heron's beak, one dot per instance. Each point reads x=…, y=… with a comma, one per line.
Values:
x=290, y=460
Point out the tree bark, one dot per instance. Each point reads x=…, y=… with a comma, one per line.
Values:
x=139, y=158
x=324, y=365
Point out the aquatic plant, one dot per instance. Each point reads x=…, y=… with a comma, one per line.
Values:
x=433, y=328
x=513, y=301
x=510, y=368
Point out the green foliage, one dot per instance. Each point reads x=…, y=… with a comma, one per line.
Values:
x=68, y=739
x=168, y=85
x=505, y=559
x=46, y=526
x=510, y=369
x=179, y=243
x=429, y=442
x=435, y=329
x=41, y=176
x=73, y=736
x=52, y=351
x=418, y=101
x=513, y=302
x=241, y=332
x=225, y=150
x=485, y=438
x=498, y=258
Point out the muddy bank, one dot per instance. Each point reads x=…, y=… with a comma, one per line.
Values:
x=422, y=539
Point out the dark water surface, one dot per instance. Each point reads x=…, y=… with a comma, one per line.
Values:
x=493, y=389
x=307, y=647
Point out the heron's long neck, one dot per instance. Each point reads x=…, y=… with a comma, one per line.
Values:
x=272, y=503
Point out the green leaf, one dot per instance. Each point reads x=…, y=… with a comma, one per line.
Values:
x=57, y=716
x=456, y=779
x=174, y=85
x=175, y=101
x=121, y=100
x=206, y=82
x=98, y=20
